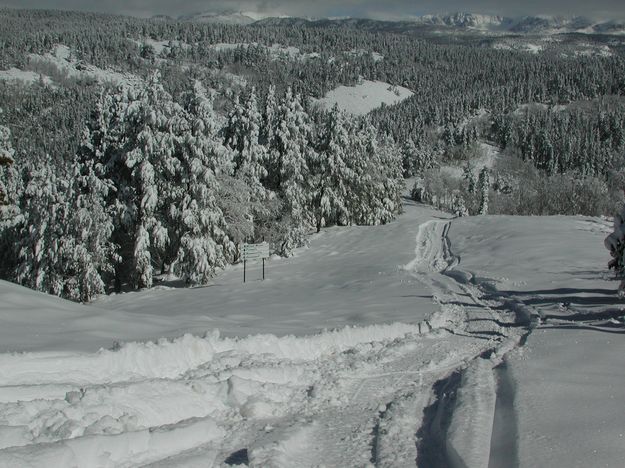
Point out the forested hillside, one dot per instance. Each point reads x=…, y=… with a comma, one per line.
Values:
x=141, y=149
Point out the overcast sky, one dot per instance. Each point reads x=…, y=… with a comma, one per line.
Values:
x=600, y=9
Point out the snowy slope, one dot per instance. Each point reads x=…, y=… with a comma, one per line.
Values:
x=348, y=276
x=434, y=306
x=567, y=380
x=61, y=59
x=363, y=98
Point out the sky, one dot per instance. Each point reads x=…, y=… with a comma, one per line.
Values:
x=387, y=9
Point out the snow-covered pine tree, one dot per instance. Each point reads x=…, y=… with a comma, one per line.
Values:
x=9, y=214
x=6, y=160
x=332, y=173
x=142, y=159
x=267, y=137
x=386, y=184
x=483, y=189
x=458, y=205
x=38, y=238
x=242, y=136
x=88, y=255
x=8, y=180
x=199, y=223
x=410, y=156
x=376, y=174
x=362, y=200
x=293, y=149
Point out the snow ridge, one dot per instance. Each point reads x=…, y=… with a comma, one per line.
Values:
x=168, y=359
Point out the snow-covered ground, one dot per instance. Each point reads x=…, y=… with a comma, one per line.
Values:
x=567, y=380
x=275, y=51
x=15, y=74
x=363, y=98
x=484, y=341
x=62, y=60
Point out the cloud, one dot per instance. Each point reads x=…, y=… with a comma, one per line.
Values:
x=361, y=8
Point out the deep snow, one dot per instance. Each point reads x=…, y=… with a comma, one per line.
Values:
x=423, y=309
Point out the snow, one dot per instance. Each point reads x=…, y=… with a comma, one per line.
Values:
x=360, y=52
x=60, y=58
x=520, y=45
x=160, y=46
x=363, y=98
x=15, y=74
x=405, y=307
x=567, y=380
x=468, y=442
x=276, y=51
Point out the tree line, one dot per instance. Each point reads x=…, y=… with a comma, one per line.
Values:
x=164, y=187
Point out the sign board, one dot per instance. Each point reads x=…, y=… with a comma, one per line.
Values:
x=255, y=251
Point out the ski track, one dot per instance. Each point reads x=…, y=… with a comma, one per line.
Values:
x=352, y=397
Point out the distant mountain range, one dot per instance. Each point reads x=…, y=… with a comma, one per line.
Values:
x=467, y=22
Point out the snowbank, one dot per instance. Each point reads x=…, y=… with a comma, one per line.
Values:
x=169, y=359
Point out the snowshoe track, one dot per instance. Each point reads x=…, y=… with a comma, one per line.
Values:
x=352, y=397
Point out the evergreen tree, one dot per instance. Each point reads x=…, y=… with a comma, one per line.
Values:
x=141, y=153
x=332, y=172
x=387, y=183
x=8, y=180
x=468, y=176
x=458, y=206
x=88, y=255
x=39, y=238
x=198, y=222
x=293, y=149
x=242, y=136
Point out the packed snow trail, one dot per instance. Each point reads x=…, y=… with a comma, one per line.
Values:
x=350, y=397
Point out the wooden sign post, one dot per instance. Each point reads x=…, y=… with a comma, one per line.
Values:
x=253, y=252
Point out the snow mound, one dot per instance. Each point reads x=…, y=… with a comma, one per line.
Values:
x=363, y=98
x=469, y=434
x=127, y=449
x=171, y=358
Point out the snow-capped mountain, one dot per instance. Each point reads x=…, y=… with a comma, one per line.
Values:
x=227, y=17
x=540, y=24
x=463, y=20
x=459, y=21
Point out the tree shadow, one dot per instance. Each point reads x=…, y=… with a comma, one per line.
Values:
x=584, y=301
x=558, y=291
x=616, y=331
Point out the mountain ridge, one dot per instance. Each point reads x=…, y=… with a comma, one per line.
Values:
x=460, y=21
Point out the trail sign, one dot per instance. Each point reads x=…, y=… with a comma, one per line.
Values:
x=253, y=252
